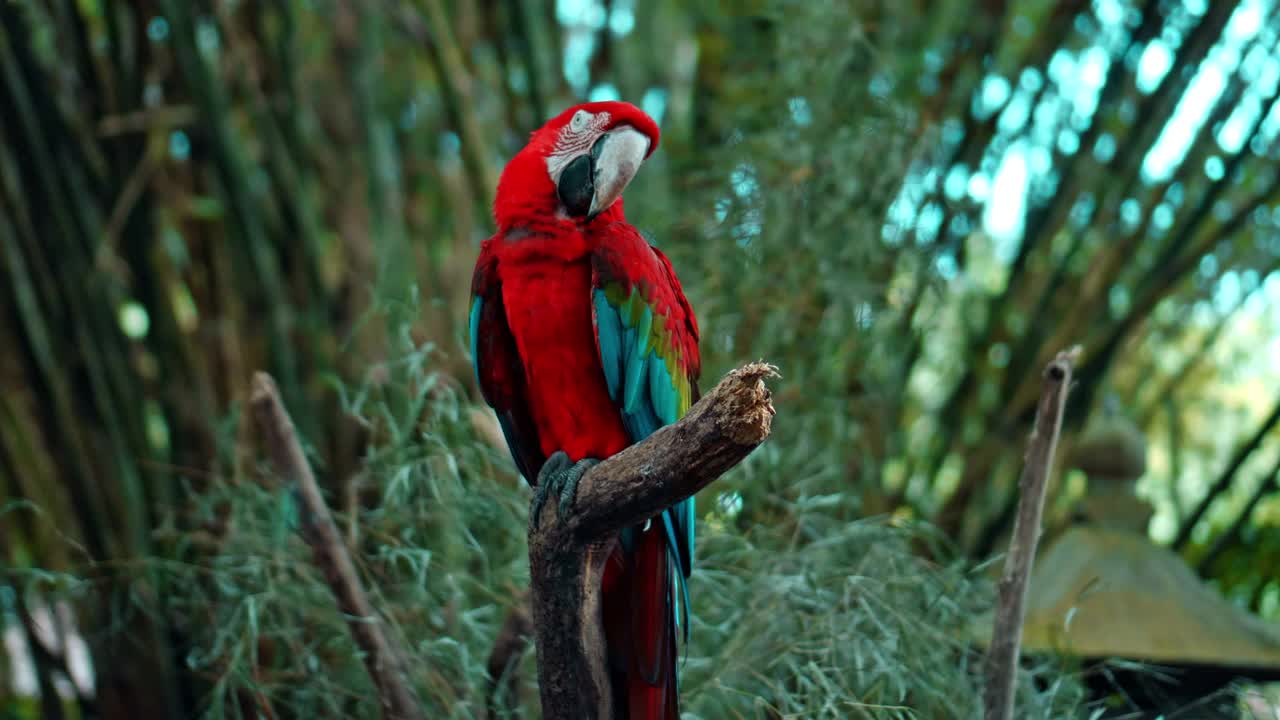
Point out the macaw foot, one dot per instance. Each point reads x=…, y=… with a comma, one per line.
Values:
x=559, y=476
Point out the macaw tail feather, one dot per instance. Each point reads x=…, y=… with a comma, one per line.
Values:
x=640, y=626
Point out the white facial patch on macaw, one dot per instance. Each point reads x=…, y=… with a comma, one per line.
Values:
x=575, y=139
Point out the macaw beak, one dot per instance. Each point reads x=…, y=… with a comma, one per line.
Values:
x=592, y=182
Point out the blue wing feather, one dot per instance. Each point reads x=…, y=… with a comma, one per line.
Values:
x=640, y=382
x=609, y=337
x=660, y=390
x=474, y=329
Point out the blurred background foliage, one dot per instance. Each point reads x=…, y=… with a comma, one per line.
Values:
x=907, y=206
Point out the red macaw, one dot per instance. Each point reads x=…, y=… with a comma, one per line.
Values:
x=583, y=343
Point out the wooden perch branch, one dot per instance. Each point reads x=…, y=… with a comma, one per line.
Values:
x=566, y=559
x=1011, y=602
x=384, y=661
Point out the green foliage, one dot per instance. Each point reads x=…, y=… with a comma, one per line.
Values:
x=824, y=618
x=192, y=191
x=438, y=529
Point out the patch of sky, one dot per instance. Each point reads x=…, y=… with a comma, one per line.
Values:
x=1214, y=168
x=1105, y=148
x=956, y=183
x=1231, y=135
x=584, y=13
x=1043, y=187
x=993, y=94
x=1162, y=217
x=1246, y=21
x=1040, y=161
x=930, y=180
x=946, y=267
x=654, y=103
x=1030, y=80
x=1046, y=120
x=1092, y=65
x=1173, y=33
x=1250, y=280
x=1130, y=213
x=1209, y=265
x=1005, y=211
x=1271, y=289
x=902, y=211
x=1228, y=292
x=929, y=223
x=578, y=48
x=622, y=19
x=604, y=91
x=1109, y=12
x=1062, y=67
x=1154, y=64
x=1206, y=86
x=979, y=186
x=1084, y=25
x=1015, y=114
x=582, y=20
x=952, y=132
x=1068, y=142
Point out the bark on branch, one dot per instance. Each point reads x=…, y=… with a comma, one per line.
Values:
x=566, y=559
x=1011, y=602
x=384, y=661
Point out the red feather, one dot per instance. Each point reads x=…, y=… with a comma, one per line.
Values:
x=539, y=366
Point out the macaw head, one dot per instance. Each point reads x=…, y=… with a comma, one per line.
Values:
x=575, y=167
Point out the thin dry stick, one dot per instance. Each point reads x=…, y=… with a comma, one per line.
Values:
x=566, y=557
x=383, y=660
x=1011, y=602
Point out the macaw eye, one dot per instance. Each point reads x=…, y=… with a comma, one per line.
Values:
x=579, y=121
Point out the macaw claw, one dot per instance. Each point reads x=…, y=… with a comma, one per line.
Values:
x=559, y=476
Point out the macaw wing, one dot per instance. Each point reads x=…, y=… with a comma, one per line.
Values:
x=498, y=367
x=648, y=341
